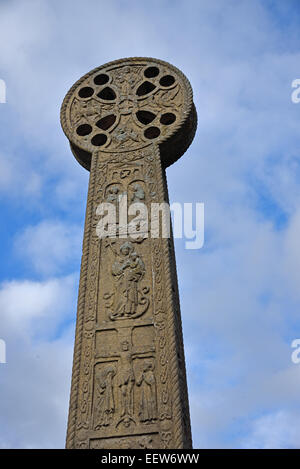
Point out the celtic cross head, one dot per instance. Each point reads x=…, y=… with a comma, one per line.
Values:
x=127, y=105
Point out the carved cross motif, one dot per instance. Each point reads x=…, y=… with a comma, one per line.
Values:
x=126, y=379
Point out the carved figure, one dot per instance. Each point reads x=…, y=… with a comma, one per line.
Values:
x=146, y=381
x=105, y=407
x=128, y=270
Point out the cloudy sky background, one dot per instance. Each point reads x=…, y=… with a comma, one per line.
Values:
x=240, y=295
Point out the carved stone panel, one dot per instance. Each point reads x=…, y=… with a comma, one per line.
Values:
x=148, y=441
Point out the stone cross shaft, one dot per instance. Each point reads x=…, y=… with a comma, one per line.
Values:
x=126, y=121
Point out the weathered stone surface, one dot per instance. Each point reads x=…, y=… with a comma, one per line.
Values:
x=126, y=122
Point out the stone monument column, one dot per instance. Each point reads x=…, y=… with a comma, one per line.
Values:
x=126, y=122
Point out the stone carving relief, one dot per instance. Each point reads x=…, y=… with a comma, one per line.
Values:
x=132, y=442
x=127, y=188
x=105, y=401
x=129, y=298
x=146, y=380
x=127, y=107
x=125, y=386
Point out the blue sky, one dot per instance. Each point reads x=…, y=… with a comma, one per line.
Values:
x=240, y=296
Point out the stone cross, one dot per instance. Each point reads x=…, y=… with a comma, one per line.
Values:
x=127, y=121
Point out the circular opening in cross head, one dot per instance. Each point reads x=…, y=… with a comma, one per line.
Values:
x=167, y=80
x=152, y=132
x=101, y=79
x=107, y=94
x=145, y=117
x=86, y=92
x=106, y=122
x=168, y=118
x=99, y=139
x=145, y=88
x=84, y=129
x=151, y=72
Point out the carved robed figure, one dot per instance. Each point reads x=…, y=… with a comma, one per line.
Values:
x=126, y=122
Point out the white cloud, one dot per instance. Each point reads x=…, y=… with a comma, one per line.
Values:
x=35, y=381
x=18, y=178
x=36, y=307
x=279, y=430
x=50, y=245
